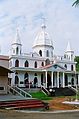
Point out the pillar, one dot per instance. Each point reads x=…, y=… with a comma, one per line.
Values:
x=46, y=79
x=52, y=78
x=63, y=80
x=78, y=79
x=57, y=79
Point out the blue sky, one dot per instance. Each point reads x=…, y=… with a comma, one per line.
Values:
x=62, y=22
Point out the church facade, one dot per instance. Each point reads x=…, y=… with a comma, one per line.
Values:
x=42, y=67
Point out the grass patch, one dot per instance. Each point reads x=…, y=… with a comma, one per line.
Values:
x=40, y=95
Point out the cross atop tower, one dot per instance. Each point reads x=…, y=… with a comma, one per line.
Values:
x=43, y=22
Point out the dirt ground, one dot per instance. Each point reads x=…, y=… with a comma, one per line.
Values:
x=56, y=104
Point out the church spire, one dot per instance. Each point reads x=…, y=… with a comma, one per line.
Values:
x=17, y=37
x=16, y=45
x=69, y=53
x=68, y=47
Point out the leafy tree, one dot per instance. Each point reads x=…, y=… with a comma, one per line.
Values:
x=76, y=3
x=77, y=63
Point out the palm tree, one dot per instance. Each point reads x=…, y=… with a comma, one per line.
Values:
x=76, y=3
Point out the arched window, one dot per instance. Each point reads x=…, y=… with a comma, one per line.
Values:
x=40, y=52
x=16, y=80
x=35, y=74
x=17, y=63
x=65, y=66
x=26, y=76
x=47, y=53
x=17, y=50
x=42, y=64
x=35, y=65
x=47, y=62
x=26, y=64
x=72, y=68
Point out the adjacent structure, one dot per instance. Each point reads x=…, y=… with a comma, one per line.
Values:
x=4, y=71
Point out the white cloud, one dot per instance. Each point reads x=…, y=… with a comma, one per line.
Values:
x=62, y=22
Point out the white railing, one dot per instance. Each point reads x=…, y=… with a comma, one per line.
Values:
x=74, y=89
x=44, y=90
x=19, y=91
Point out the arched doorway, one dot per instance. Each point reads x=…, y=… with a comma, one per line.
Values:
x=66, y=80
x=16, y=80
x=35, y=82
x=72, y=81
x=26, y=80
x=48, y=80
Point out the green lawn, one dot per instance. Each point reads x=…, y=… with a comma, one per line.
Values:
x=40, y=95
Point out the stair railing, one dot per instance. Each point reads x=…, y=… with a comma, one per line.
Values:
x=19, y=91
x=44, y=90
x=74, y=89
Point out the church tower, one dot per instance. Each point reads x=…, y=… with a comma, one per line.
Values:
x=43, y=44
x=69, y=54
x=16, y=45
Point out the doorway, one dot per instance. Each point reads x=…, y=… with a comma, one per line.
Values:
x=48, y=80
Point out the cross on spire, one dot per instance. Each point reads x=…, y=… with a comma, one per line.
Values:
x=43, y=22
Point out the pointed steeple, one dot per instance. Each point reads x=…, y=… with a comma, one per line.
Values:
x=68, y=47
x=69, y=53
x=17, y=38
x=16, y=45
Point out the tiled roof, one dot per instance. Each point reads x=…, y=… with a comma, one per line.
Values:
x=3, y=57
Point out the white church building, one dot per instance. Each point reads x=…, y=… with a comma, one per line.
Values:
x=42, y=67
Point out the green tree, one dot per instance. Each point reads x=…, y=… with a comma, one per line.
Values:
x=76, y=3
x=77, y=63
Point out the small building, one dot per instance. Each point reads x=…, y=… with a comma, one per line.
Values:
x=4, y=79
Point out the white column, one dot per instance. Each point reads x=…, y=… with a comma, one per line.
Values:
x=57, y=79
x=52, y=78
x=63, y=80
x=46, y=79
x=78, y=79
x=29, y=84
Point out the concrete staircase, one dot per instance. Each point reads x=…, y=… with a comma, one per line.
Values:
x=29, y=104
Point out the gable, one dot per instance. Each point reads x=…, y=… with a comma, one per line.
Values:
x=55, y=67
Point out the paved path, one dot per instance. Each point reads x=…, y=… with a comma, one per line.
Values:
x=32, y=115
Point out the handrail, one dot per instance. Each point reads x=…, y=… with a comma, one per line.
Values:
x=19, y=91
x=74, y=89
x=24, y=93
x=45, y=91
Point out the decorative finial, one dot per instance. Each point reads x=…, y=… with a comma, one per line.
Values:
x=43, y=24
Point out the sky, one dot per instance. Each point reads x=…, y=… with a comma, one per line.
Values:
x=61, y=19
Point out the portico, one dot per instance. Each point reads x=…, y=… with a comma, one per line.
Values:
x=54, y=76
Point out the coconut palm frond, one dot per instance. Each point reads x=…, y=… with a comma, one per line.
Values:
x=76, y=3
